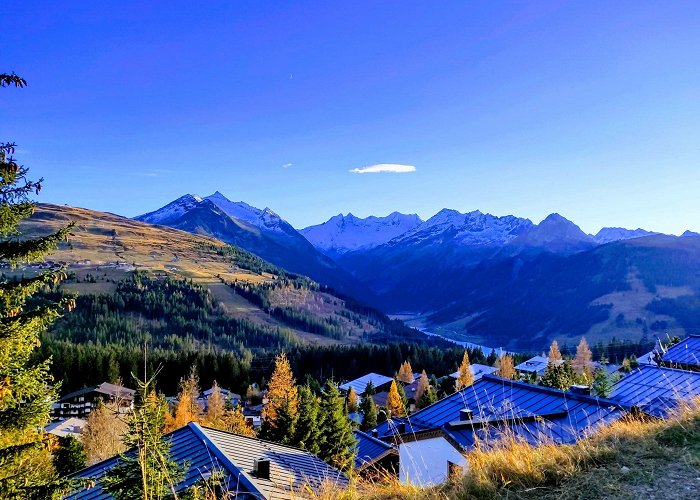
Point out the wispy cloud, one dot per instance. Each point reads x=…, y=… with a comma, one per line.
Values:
x=390, y=168
x=287, y=165
x=156, y=172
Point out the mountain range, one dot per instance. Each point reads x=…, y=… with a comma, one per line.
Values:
x=500, y=280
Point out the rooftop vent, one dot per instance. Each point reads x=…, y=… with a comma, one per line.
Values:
x=375, y=433
x=401, y=427
x=261, y=468
x=465, y=414
x=580, y=389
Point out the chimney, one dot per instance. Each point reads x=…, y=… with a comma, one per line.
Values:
x=580, y=389
x=261, y=468
x=375, y=433
x=401, y=427
x=465, y=414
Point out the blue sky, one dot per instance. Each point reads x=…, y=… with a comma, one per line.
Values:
x=590, y=109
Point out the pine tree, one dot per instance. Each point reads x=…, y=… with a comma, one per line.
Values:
x=187, y=409
x=69, y=457
x=505, y=367
x=282, y=408
x=405, y=374
x=423, y=386
x=308, y=428
x=428, y=397
x=394, y=403
x=465, y=377
x=26, y=389
x=338, y=441
x=554, y=353
x=368, y=408
x=369, y=389
x=602, y=385
x=583, y=362
x=351, y=401
x=146, y=472
x=559, y=376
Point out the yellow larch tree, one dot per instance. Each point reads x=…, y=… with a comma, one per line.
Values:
x=554, y=353
x=405, y=374
x=505, y=367
x=465, y=377
x=393, y=401
x=282, y=406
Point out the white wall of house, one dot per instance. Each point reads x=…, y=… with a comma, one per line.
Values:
x=425, y=462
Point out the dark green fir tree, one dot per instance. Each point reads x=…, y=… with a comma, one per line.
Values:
x=368, y=409
x=26, y=387
x=307, y=433
x=338, y=441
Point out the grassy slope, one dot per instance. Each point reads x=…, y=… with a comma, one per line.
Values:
x=627, y=460
x=110, y=247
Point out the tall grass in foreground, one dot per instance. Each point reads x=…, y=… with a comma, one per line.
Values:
x=614, y=462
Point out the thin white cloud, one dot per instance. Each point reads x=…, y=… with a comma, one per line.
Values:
x=390, y=168
x=287, y=165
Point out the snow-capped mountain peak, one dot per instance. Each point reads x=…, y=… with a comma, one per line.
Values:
x=610, y=234
x=172, y=211
x=344, y=233
x=240, y=210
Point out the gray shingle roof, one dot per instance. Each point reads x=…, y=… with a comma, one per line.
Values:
x=686, y=352
x=359, y=384
x=655, y=390
x=206, y=450
x=534, y=413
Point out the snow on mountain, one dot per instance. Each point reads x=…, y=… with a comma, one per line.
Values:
x=610, y=234
x=172, y=211
x=473, y=228
x=345, y=233
x=264, y=219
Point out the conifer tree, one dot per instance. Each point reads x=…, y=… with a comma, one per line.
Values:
x=282, y=408
x=393, y=402
x=602, y=385
x=351, y=401
x=187, y=409
x=465, y=376
x=559, y=376
x=308, y=425
x=505, y=367
x=428, y=397
x=338, y=441
x=583, y=362
x=405, y=373
x=146, y=471
x=368, y=408
x=554, y=353
x=423, y=385
x=69, y=457
x=26, y=389
x=369, y=389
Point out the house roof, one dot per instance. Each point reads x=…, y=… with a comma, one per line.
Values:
x=204, y=450
x=532, y=412
x=104, y=388
x=686, y=352
x=68, y=427
x=359, y=384
x=381, y=398
x=656, y=390
x=477, y=370
x=370, y=450
x=536, y=364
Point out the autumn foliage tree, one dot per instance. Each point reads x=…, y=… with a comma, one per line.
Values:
x=554, y=353
x=282, y=408
x=394, y=403
x=583, y=361
x=505, y=367
x=103, y=433
x=405, y=373
x=423, y=385
x=465, y=377
x=351, y=401
x=187, y=409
